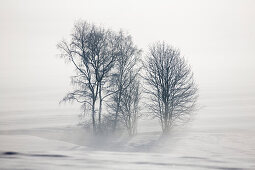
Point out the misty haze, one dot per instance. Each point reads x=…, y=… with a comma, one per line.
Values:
x=127, y=84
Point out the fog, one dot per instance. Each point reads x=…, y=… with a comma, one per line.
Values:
x=216, y=37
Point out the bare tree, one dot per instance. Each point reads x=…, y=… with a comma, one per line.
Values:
x=120, y=77
x=170, y=85
x=129, y=104
x=93, y=51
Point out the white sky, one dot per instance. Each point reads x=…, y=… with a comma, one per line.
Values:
x=216, y=37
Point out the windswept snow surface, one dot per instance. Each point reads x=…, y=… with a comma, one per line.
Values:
x=220, y=136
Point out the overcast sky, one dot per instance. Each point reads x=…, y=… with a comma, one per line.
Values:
x=216, y=37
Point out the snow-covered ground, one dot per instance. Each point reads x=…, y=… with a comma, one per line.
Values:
x=220, y=136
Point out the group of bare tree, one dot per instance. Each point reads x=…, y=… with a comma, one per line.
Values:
x=108, y=74
x=103, y=61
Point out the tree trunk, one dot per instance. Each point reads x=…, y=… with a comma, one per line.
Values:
x=129, y=125
x=117, y=110
x=166, y=117
x=100, y=106
x=93, y=117
x=116, y=117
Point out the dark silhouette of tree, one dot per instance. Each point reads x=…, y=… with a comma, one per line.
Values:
x=129, y=104
x=170, y=85
x=121, y=77
x=103, y=60
x=93, y=51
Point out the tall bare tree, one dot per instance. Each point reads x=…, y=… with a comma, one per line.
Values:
x=170, y=85
x=121, y=78
x=129, y=104
x=93, y=51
